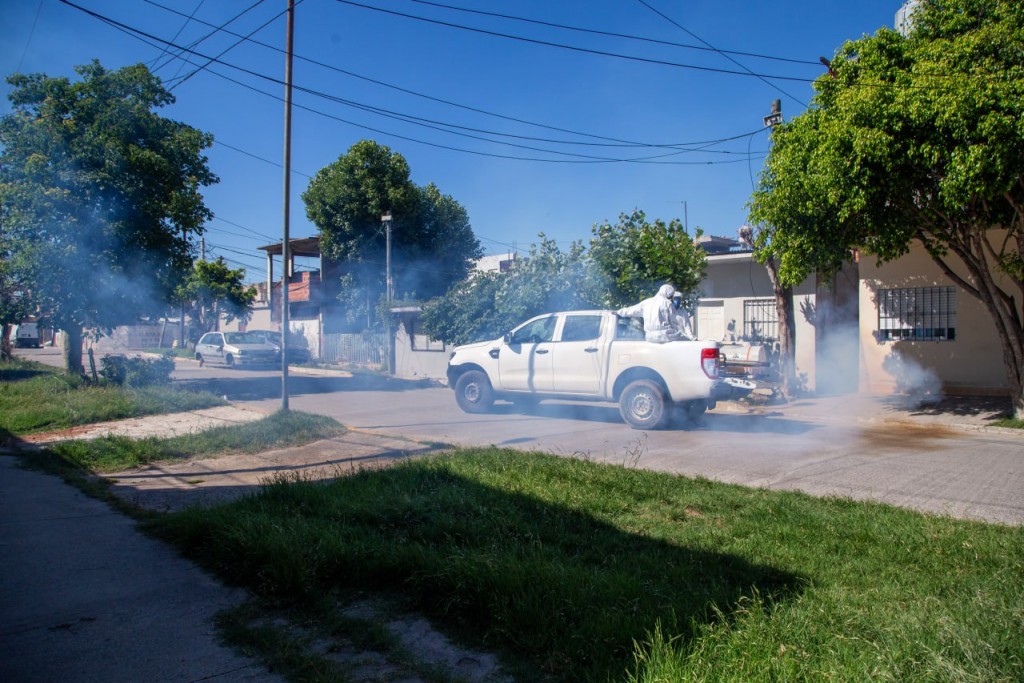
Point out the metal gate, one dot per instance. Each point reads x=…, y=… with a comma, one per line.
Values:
x=368, y=349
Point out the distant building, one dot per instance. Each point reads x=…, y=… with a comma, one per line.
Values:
x=904, y=17
x=496, y=263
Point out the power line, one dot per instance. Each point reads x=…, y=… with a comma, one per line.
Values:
x=603, y=53
x=153, y=62
x=238, y=225
x=256, y=156
x=760, y=77
x=199, y=41
x=31, y=33
x=414, y=93
x=652, y=160
x=233, y=46
x=815, y=63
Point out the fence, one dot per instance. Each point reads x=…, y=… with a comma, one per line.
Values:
x=368, y=349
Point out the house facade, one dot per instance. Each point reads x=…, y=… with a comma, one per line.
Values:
x=918, y=326
x=902, y=326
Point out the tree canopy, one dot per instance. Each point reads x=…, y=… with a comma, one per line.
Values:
x=433, y=244
x=487, y=305
x=636, y=257
x=626, y=263
x=915, y=138
x=99, y=196
x=213, y=290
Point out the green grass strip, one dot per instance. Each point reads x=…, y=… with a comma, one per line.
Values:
x=36, y=398
x=589, y=572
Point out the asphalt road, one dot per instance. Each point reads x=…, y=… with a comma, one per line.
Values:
x=838, y=446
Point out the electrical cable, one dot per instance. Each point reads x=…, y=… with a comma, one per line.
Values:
x=233, y=46
x=135, y=32
x=153, y=62
x=620, y=142
x=603, y=53
x=610, y=34
x=760, y=77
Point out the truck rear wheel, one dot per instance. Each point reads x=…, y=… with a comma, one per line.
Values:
x=642, y=405
x=473, y=392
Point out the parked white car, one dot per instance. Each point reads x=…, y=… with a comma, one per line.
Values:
x=237, y=349
x=26, y=334
x=593, y=356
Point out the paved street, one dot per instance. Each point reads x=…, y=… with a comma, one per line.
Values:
x=938, y=460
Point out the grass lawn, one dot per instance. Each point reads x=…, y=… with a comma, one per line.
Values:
x=582, y=571
x=38, y=398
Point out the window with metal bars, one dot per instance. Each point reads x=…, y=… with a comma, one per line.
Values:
x=760, y=320
x=917, y=314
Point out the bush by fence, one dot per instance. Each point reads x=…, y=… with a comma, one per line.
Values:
x=136, y=371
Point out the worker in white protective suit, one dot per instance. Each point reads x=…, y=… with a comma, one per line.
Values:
x=680, y=319
x=656, y=313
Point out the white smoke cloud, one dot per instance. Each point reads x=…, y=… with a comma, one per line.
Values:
x=919, y=384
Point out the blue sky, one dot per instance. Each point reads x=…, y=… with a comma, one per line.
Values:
x=530, y=125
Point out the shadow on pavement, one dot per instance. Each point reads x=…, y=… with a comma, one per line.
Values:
x=989, y=408
x=772, y=423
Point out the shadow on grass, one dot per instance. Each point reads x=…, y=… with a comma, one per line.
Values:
x=562, y=590
x=18, y=373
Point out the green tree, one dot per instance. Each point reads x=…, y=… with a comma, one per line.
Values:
x=100, y=194
x=14, y=297
x=487, y=305
x=914, y=139
x=433, y=245
x=637, y=257
x=213, y=290
x=466, y=312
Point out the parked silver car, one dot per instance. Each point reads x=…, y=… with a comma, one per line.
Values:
x=237, y=349
x=298, y=347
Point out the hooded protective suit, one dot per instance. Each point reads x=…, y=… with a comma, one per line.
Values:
x=681, y=324
x=657, y=314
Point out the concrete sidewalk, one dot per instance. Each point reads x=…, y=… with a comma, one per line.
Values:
x=85, y=596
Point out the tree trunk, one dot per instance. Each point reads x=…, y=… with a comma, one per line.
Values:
x=5, y=343
x=73, y=350
x=787, y=330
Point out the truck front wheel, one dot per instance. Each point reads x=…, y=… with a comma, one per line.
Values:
x=473, y=392
x=642, y=405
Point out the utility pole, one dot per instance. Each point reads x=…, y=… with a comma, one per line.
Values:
x=390, y=292
x=783, y=298
x=389, y=289
x=285, y=245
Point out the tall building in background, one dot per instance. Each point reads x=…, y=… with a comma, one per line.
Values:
x=905, y=18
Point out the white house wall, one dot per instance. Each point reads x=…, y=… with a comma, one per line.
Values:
x=412, y=363
x=971, y=363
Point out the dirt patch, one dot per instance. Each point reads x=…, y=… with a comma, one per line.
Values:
x=902, y=436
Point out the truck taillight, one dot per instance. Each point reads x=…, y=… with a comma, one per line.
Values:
x=709, y=362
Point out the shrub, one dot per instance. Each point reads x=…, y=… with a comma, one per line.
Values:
x=137, y=371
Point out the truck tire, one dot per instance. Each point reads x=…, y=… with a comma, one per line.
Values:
x=694, y=410
x=642, y=405
x=473, y=392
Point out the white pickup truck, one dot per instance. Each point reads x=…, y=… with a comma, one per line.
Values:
x=589, y=355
